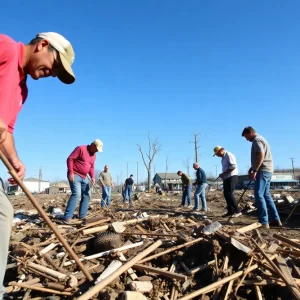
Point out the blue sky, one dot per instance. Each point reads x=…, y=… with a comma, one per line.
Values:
x=170, y=68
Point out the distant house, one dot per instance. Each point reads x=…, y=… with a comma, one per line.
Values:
x=58, y=188
x=34, y=185
x=171, y=180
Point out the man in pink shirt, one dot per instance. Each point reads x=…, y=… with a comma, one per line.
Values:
x=48, y=54
x=80, y=163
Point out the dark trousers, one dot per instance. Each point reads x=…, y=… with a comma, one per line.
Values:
x=229, y=186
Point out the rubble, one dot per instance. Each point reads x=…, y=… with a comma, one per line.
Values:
x=153, y=251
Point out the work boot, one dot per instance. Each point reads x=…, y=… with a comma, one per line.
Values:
x=226, y=215
x=235, y=215
x=276, y=223
x=181, y=206
x=71, y=222
x=266, y=226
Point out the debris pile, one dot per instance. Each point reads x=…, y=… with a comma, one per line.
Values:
x=132, y=254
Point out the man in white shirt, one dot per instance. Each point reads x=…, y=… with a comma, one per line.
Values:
x=230, y=178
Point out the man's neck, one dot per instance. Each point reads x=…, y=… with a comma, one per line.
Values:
x=26, y=56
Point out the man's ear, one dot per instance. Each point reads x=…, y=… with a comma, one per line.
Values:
x=41, y=45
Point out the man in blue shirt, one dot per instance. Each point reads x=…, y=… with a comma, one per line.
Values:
x=201, y=184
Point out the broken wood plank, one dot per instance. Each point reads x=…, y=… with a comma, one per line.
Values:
x=105, y=253
x=167, y=274
x=249, y=227
x=215, y=285
x=48, y=271
x=171, y=250
x=105, y=227
x=140, y=228
x=94, y=290
x=281, y=272
x=286, y=241
x=150, y=234
x=201, y=267
x=287, y=277
x=258, y=293
x=37, y=288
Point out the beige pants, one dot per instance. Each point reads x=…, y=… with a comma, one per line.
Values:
x=6, y=217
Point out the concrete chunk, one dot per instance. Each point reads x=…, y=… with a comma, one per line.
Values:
x=141, y=286
x=133, y=296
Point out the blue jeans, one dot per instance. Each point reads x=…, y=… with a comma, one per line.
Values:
x=186, y=194
x=106, y=195
x=6, y=217
x=263, y=198
x=80, y=189
x=200, y=192
x=127, y=193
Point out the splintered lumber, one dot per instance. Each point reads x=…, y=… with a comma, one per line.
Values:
x=55, y=274
x=158, y=271
x=47, y=249
x=43, y=214
x=286, y=241
x=258, y=293
x=201, y=267
x=281, y=273
x=105, y=227
x=249, y=227
x=105, y=253
x=289, y=280
x=170, y=250
x=215, y=285
x=229, y=289
x=290, y=252
x=141, y=229
x=97, y=288
x=150, y=234
x=38, y=288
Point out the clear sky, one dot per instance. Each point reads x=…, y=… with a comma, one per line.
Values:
x=170, y=68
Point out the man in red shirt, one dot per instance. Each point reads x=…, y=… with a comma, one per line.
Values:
x=80, y=163
x=48, y=54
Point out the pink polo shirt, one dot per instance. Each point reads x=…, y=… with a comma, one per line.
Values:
x=13, y=89
x=80, y=162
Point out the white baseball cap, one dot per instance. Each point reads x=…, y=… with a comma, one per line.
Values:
x=66, y=54
x=98, y=144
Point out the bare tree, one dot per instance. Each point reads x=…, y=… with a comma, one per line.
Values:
x=154, y=147
x=186, y=163
x=167, y=168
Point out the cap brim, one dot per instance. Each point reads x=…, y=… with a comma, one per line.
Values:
x=67, y=76
x=99, y=149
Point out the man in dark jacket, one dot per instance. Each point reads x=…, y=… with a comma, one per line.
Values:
x=201, y=184
x=128, y=185
x=186, y=188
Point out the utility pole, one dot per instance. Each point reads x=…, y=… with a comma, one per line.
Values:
x=40, y=178
x=292, y=159
x=137, y=173
x=195, y=142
